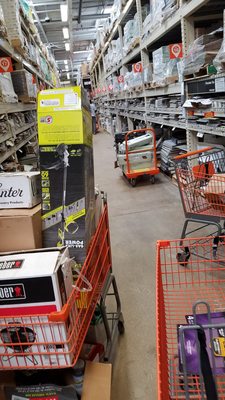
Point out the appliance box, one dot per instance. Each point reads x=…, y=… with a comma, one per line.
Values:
x=20, y=189
x=32, y=285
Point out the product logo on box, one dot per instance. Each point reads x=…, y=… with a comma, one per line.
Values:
x=11, y=264
x=46, y=120
x=6, y=64
x=11, y=192
x=12, y=292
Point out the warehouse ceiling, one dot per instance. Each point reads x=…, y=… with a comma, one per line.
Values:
x=77, y=33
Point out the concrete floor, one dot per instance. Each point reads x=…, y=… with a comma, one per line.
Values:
x=138, y=218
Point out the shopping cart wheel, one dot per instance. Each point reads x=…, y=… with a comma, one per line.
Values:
x=121, y=327
x=152, y=179
x=133, y=182
x=183, y=257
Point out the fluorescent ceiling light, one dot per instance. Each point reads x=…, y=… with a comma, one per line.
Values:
x=67, y=46
x=65, y=62
x=82, y=51
x=107, y=10
x=64, y=12
x=66, y=33
x=68, y=75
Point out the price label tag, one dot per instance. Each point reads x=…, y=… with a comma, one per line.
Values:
x=200, y=135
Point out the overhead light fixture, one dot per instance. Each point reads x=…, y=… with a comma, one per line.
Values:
x=66, y=33
x=68, y=75
x=64, y=12
x=65, y=62
x=67, y=46
x=82, y=51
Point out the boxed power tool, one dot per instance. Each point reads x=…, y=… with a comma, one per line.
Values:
x=32, y=285
x=67, y=172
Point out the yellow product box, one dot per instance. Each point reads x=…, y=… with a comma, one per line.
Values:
x=64, y=117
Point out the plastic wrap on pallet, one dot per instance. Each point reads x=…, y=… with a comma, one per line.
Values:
x=12, y=19
x=203, y=51
x=7, y=93
x=3, y=29
x=147, y=74
x=131, y=32
x=160, y=10
x=219, y=60
x=23, y=84
x=116, y=9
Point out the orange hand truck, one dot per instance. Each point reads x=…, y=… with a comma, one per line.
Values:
x=133, y=169
x=201, y=181
x=55, y=340
x=188, y=369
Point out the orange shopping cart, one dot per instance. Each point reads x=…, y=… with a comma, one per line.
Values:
x=190, y=323
x=55, y=340
x=201, y=181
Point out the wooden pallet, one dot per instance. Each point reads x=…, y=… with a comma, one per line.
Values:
x=204, y=72
x=26, y=99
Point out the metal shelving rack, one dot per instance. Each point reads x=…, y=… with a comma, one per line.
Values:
x=10, y=108
x=183, y=19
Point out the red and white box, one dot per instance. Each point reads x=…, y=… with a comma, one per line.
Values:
x=33, y=285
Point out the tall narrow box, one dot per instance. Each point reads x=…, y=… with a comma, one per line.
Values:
x=67, y=172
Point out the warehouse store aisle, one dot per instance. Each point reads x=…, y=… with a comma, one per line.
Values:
x=138, y=217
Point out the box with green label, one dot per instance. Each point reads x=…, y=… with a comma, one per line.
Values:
x=67, y=172
x=64, y=117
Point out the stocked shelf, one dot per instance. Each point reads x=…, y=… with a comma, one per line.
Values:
x=16, y=147
x=24, y=128
x=7, y=108
x=5, y=46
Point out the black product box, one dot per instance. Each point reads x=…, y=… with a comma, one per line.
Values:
x=68, y=197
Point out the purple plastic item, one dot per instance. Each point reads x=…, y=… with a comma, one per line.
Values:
x=191, y=339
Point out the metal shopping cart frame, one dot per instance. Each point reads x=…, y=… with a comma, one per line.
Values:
x=200, y=288
x=195, y=171
x=54, y=340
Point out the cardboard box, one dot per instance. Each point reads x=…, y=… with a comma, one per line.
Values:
x=32, y=285
x=20, y=189
x=215, y=192
x=72, y=225
x=20, y=229
x=97, y=381
x=64, y=117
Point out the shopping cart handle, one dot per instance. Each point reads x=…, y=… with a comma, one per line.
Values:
x=192, y=153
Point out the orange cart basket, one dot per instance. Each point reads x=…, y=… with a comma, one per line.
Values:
x=54, y=340
x=201, y=180
x=178, y=288
x=132, y=173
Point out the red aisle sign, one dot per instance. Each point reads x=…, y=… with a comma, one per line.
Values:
x=176, y=50
x=138, y=67
x=6, y=64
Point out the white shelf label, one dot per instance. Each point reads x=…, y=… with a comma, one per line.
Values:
x=70, y=99
x=50, y=102
x=220, y=84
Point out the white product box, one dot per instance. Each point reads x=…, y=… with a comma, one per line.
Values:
x=33, y=285
x=20, y=189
